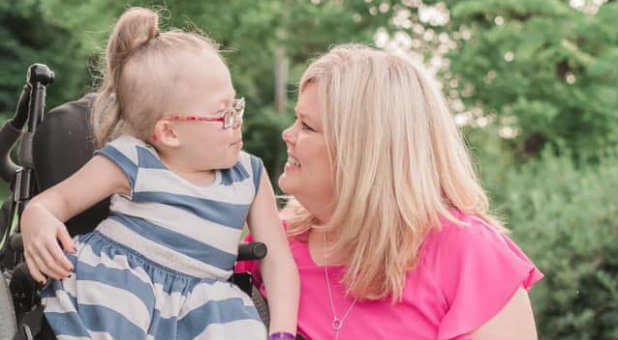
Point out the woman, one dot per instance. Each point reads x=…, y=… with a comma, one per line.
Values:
x=388, y=224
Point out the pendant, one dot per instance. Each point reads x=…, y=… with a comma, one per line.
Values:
x=336, y=324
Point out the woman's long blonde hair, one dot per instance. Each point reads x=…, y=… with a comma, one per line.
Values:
x=139, y=73
x=400, y=165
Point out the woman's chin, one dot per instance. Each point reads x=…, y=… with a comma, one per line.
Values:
x=285, y=183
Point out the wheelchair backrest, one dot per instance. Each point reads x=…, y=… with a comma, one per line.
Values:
x=62, y=144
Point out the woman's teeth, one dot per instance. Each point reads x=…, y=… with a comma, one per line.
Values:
x=293, y=162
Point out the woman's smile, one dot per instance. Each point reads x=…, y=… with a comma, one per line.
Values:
x=292, y=163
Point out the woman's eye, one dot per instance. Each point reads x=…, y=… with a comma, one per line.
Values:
x=305, y=126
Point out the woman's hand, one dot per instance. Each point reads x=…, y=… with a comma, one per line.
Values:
x=41, y=231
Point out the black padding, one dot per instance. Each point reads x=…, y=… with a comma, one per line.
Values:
x=62, y=144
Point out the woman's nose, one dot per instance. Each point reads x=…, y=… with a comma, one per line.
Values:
x=286, y=135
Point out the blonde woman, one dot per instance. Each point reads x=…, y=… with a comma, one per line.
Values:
x=389, y=227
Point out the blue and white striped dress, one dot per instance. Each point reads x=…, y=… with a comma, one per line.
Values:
x=157, y=267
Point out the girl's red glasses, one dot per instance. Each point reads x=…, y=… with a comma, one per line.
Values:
x=230, y=117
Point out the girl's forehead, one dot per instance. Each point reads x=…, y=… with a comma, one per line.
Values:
x=202, y=72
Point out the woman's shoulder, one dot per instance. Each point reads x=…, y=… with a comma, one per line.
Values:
x=465, y=231
x=472, y=246
x=478, y=268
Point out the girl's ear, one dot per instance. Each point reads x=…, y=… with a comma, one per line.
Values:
x=164, y=133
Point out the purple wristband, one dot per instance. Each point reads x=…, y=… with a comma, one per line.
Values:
x=281, y=336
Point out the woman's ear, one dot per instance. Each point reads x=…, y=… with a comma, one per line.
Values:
x=164, y=133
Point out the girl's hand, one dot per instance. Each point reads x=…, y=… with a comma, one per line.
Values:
x=41, y=231
x=42, y=220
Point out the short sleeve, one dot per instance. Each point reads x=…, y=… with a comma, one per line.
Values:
x=122, y=151
x=257, y=167
x=479, y=270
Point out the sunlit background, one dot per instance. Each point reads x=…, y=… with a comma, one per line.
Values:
x=532, y=84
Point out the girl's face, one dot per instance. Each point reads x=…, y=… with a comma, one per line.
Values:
x=308, y=174
x=204, y=89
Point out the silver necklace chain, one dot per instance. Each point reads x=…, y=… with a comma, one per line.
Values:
x=337, y=323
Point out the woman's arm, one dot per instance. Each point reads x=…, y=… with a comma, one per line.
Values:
x=515, y=321
x=277, y=268
x=42, y=221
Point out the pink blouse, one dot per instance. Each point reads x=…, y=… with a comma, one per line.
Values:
x=464, y=276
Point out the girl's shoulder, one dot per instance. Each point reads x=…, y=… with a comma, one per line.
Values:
x=248, y=166
x=128, y=140
x=129, y=146
x=249, y=159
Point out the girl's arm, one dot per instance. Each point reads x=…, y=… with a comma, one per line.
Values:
x=277, y=268
x=42, y=221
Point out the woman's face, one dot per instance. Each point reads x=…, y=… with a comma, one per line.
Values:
x=308, y=174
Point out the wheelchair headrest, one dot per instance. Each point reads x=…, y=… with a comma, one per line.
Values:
x=61, y=145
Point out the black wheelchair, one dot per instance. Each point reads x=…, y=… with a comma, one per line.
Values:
x=53, y=145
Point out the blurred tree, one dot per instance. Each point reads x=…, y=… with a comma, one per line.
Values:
x=29, y=36
x=544, y=72
x=543, y=69
x=261, y=36
x=250, y=34
x=565, y=217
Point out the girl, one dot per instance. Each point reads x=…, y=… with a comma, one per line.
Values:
x=182, y=189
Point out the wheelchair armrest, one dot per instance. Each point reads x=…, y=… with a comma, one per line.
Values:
x=251, y=251
x=246, y=252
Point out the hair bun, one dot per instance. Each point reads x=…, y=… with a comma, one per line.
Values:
x=136, y=27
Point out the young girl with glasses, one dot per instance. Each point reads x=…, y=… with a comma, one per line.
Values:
x=182, y=190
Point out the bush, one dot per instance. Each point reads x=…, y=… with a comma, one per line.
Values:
x=547, y=69
x=566, y=219
x=28, y=36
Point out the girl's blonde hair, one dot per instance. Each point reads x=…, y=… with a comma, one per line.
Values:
x=400, y=165
x=139, y=70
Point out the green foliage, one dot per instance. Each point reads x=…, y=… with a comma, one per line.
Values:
x=566, y=219
x=548, y=66
x=248, y=32
x=28, y=36
x=559, y=90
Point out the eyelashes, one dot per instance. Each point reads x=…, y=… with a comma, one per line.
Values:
x=306, y=127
